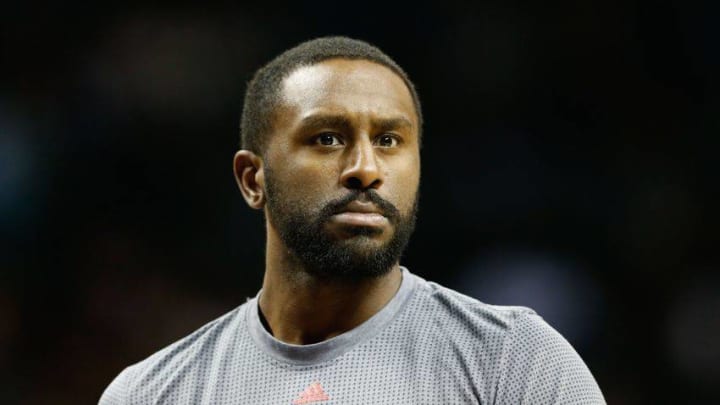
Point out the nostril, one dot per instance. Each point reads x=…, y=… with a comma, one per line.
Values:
x=353, y=183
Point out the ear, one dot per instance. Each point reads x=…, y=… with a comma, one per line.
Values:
x=248, y=168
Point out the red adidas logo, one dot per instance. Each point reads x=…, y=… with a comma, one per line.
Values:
x=313, y=393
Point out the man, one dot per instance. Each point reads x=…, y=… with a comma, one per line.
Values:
x=331, y=137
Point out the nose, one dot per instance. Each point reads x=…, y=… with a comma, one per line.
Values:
x=361, y=169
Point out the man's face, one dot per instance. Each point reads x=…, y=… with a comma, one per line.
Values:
x=342, y=168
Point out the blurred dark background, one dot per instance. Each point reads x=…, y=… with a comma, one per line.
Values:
x=569, y=164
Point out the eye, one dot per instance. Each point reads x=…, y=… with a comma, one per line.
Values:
x=387, y=140
x=328, y=139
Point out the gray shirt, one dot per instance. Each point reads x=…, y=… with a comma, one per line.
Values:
x=428, y=345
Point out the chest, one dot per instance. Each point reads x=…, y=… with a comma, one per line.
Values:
x=361, y=377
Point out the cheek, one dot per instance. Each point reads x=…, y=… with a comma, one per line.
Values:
x=405, y=185
x=306, y=185
x=303, y=173
x=314, y=177
x=410, y=194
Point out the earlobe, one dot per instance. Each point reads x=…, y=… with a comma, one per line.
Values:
x=248, y=169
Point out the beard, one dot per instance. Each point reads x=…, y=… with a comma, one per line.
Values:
x=302, y=228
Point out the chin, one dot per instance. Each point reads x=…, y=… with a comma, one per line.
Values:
x=352, y=231
x=363, y=245
x=352, y=260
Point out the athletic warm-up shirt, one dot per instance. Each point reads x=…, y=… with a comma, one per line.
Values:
x=428, y=345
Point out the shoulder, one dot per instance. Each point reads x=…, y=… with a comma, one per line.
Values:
x=174, y=360
x=449, y=307
x=541, y=366
x=511, y=347
x=464, y=331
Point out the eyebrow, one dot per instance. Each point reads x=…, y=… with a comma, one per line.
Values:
x=388, y=124
x=326, y=121
x=344, y=123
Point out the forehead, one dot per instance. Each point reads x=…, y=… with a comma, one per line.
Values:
x=348, y=86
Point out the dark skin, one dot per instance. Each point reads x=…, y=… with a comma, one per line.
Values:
x=343, y=125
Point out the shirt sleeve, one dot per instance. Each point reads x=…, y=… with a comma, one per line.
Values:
x=541, y=367
x=116, y=392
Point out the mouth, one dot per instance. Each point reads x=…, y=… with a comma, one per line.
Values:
x=360, y=219
x=358, y=213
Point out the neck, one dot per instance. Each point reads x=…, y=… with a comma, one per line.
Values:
x=300, y=309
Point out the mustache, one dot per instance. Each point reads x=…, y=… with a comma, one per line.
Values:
x=336, y=206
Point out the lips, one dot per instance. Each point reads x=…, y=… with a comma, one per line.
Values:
x=361, y=207
x=359, y=213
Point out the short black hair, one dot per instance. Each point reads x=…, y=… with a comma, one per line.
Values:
x=263, y=92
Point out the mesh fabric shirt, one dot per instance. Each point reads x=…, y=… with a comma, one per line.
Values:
x=428, y=345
